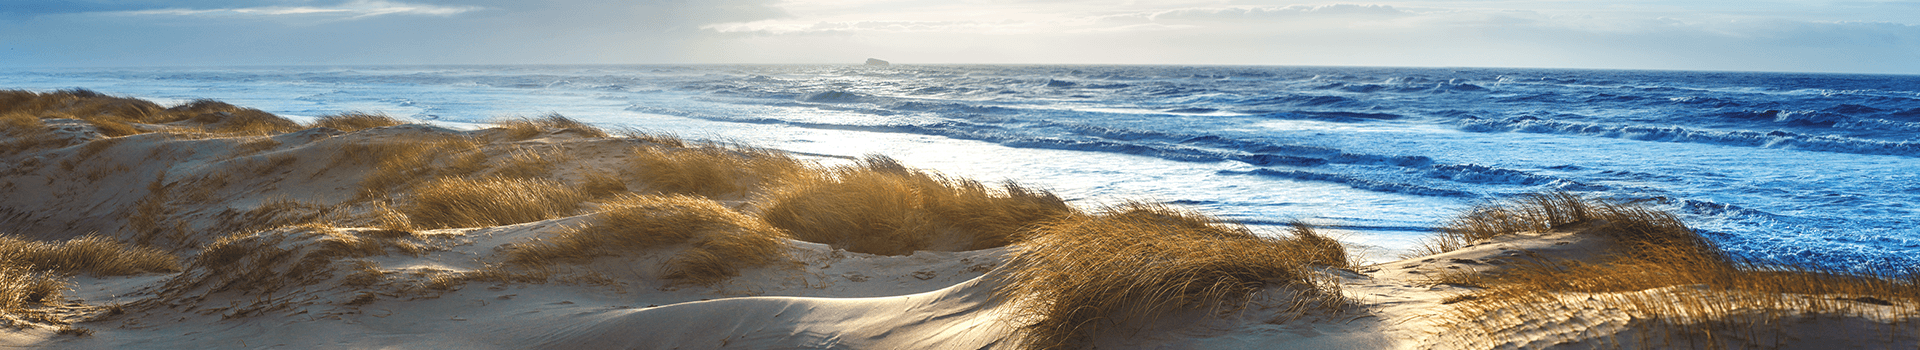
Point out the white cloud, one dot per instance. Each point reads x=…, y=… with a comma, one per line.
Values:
x=350, y=10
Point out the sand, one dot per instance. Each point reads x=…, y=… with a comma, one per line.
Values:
x=828, y=299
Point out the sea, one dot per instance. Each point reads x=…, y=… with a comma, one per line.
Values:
x=1790, y=168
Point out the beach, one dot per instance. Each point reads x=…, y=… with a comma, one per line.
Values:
x=242, y=229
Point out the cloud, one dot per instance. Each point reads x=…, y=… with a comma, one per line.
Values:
x=292, y=32
x=355, y=9
x=1268, y=14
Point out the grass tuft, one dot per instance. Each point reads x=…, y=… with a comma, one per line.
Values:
x=116, y=116
x=881, y=207
x=222, y=118
x=22, y=288
x=401, y=161
x=601, y=184
x=19, y=124
x=531, y=162
x=90, y=254
x=1087, y=274
x=711, y=170
x=527, y=128
x=1319, y=249
x=723, y=241
x=1541, y=212
x=1661, y=274
x=30, y=270
x=354, y=121
x=493, y=201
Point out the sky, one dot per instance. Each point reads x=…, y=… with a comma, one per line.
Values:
x=1757, y=35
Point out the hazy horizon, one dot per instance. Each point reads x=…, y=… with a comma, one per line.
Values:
x=1874, y=37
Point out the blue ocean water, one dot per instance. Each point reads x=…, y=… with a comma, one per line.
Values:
x=1799, y=168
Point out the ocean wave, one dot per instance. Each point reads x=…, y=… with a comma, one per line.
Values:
x=1337, y=117
x=1475, y=173
x=1611, y=98
x=1354, y=181
x=1773, y=139
x=1298, y=101
x=1255, y=152
x=835, y=96
x=1879, y=125
x=1796, y=118
x=1548, y=97
x=1707, y=102
x=1848, y=108
x=1404, y=86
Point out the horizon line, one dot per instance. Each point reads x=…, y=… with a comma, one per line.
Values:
x=861, y=64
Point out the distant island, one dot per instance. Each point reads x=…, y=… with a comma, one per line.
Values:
x=877, y=62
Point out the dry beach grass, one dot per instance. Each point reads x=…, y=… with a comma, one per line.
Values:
x=1089, y=273
x=1705, y=298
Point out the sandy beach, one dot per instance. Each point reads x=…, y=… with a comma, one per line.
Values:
x=362, y=231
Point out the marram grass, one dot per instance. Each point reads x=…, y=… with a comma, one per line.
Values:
x=1084, y=275
x=721, y=241
x=1673, y=285
x=711, y=170
x=881, y=207
x=355, y=121
x=30, y=270
x=527, y=128
x=493, y=201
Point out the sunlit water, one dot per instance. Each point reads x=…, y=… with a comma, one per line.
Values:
x=1804, y=168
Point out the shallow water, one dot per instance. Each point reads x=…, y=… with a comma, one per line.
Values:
x=1803, y=168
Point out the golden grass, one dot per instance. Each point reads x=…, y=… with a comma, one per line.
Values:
x=115, y=116
x=881, y=207
x=30, y=270
x=461, y=202
x=1704, y=296
x=113, y=126
x=383, y=215
x=1318, y=249
x=465, y=162
x=711, y=170
x=22, y=288
x=600, y=184
x=1087, y=274
x=531, y=162
x=354, y=121
x=26, y=133
x=401, y=161
x=527, y=128
x=723, y=241
x=222, y=118
x=20, y=124
x=1541, y=212
x=90, y=254
x=76, y=103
